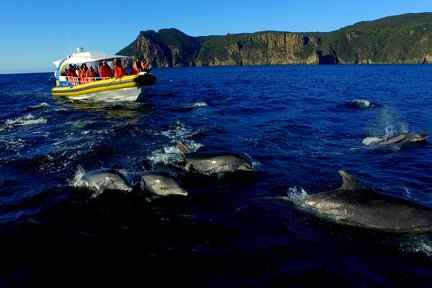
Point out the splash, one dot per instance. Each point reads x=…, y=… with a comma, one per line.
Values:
x=166, y=156
x=371, y=140
x=390, y=131
x=197, y=105
x=39, y=106
x=178, y=131
x=297, y=194
x=29, y=119
x=416, y=244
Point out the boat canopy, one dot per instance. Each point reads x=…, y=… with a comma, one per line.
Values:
x=86, y=56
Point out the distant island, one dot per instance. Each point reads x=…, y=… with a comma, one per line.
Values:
x=402, y=39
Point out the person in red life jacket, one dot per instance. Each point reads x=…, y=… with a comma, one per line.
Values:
x=73, y=75
x=136, y=67
x=73, y=70
x=90, y=74
x=119, y=71
x=82, y=73
x=105, y=70
x=70, y=76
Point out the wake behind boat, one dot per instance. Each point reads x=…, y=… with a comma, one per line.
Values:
x=96, y=84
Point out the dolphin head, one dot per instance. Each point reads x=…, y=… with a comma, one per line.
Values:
x=414, y=137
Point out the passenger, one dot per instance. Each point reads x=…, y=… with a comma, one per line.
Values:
x=82, y=73
x=119, y=71
x=136, y=67
x=90, y=74
x=71, y=75
x=73, y=70
x=145, y=67
x=105, y=70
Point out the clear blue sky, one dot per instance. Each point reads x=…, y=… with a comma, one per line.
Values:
x=35, y=33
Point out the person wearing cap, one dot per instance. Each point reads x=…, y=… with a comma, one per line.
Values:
x=105, y=70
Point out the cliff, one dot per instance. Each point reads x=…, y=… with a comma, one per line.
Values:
x=398, y=39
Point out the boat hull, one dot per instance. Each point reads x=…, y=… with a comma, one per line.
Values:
x=128, y=87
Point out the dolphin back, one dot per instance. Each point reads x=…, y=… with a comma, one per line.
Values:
x=102, y=179
x=182, y=147
x=163, y=184
x=216, y=161
x=350, y=183
x=408, y=137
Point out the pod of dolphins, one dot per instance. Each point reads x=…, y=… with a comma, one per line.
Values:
x=351, y=204
x=163, y=183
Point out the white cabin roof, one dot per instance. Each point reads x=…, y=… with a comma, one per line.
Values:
x=85, y=57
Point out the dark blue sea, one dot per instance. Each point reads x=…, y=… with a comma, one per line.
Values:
x=298, y=124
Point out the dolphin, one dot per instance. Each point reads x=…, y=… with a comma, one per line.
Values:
x=209, y=162
x=355, y=205
x=101, y=179
x=362, y=103
x=408, y=137
x=162, y=184
x=157, y=183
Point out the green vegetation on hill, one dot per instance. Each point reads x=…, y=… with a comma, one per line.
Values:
x=398, y=39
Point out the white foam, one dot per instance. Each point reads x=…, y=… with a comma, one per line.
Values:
x=198, y=105
x=167, y=155
x=416, y=243
x=297, y=194
x=41, y=105
x=178, y=131
x=29, y=119
x=371, y=140
x=362, y=103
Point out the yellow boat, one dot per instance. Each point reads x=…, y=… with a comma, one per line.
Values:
x=101, y=88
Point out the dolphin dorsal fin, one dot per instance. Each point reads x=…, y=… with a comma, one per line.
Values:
x=350, y=183
x=182, y=147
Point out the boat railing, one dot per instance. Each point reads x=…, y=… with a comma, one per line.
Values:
x=79, y=81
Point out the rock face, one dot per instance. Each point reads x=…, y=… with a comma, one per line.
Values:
x=172, y=48
x=264, y=48
x=399, y=39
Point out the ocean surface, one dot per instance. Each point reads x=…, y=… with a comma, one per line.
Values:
x=299, y=125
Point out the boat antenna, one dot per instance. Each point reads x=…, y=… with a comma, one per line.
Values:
x=70, y=46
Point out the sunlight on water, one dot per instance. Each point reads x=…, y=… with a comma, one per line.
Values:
x=416, y=243
x=11, y=144
x=178, y=131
